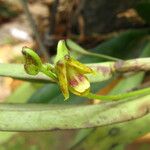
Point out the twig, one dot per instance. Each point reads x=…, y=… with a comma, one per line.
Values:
x=34, y=28
x=52, y=19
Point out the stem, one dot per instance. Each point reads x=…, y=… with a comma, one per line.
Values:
x=34, y=28
x=47, y=71
x=119, y=96
x=52, y=16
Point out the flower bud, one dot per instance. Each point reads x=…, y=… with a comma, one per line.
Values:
x=32, y=61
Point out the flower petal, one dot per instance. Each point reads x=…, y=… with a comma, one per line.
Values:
x=62, y=78
x=76, y=64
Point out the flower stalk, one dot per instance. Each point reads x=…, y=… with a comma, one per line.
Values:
x=70, y=74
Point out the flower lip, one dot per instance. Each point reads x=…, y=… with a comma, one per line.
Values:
x=77, y=82
x=73, y=82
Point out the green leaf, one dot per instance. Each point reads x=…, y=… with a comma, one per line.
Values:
x=122, y=86
x=28, y=117
x=143, y=9
x=118, y=136
x=122, y=46
x=102, y=71
x=75, y=47
x=24, y=91
x=45, y=94
x=17, y=71
x=5, y=136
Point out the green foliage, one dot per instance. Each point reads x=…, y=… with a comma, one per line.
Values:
x=123, y=85
x=143, y=9
x=66, y=115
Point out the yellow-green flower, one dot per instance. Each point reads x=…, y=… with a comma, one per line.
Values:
x=71, y=73
x=66, y=71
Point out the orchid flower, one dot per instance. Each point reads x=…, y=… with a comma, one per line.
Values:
x=71, y=73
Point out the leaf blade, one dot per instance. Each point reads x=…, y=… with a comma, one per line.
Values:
x=29, y=117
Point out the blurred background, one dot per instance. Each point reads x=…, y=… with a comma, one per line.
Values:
x=119, y=28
